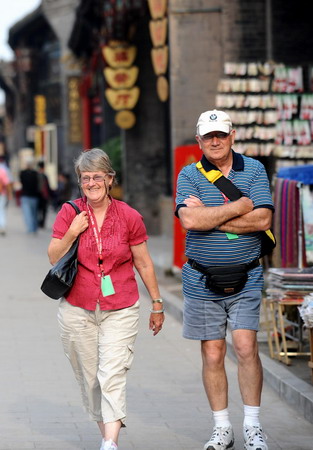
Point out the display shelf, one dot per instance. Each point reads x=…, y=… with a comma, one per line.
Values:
x=287, y=334
x=271, y=108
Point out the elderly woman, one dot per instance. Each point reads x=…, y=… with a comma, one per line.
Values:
x=99, y=316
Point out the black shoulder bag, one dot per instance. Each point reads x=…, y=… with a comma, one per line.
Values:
x=61, y=276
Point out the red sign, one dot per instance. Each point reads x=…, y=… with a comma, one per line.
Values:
x=183, y=156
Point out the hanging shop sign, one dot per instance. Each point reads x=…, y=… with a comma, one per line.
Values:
x=157, y=8
x=160, y=60
x=38, y=143
x=158, y=32
x=74, y=111
x=40, y=110
x=159, y=53
x=122, y=98
x=162, y=88
x=121, y=78
x=118, y=57
x=125, y=119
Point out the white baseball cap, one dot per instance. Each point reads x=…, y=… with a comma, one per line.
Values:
x=213, y=121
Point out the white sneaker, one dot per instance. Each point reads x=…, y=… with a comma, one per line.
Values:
x=108, y=445
x=254, y=438
x=221, y=439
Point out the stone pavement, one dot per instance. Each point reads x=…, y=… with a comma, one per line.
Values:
x=40, y=406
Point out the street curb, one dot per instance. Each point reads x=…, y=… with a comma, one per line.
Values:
x=295, y=392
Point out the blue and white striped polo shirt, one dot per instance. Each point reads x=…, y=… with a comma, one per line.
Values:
x=212, y=247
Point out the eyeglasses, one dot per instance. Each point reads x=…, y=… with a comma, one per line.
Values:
x=97, y=179
x=211, y=136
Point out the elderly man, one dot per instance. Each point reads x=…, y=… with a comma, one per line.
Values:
x=222, y=279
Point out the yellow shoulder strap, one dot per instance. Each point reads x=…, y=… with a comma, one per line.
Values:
x=271, y=235
x=212, y=175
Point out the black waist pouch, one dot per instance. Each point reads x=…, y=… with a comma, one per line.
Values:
x=225, y=280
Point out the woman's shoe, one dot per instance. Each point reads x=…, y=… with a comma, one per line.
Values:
x=108, y=445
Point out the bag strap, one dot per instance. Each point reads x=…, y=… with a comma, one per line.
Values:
x=70, y=202
x=227, y=187
x=271, y=236
x=222, y=183
x=204, y=270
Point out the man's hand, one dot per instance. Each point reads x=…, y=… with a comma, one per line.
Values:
x=193, y=201
x=201, y=218
x=244, y=204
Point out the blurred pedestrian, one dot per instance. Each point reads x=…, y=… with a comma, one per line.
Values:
x=6, y=181
x=64, y=190
x=30, y=195
x=99, y=317
x=223, y=279
x=44, y=194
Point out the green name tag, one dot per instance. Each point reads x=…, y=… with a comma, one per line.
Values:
x=107, y=287
x=232, y=236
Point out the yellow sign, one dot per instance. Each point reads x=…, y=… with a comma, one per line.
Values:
x=159, y=60
x=121, y=78
x=125, y=119
x=74, y=111
x=38, y=143
x=122, y=98
x=157, y=8
x=40, y=110
x=118, y=57
x=158, y=32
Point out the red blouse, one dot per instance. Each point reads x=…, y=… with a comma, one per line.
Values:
x=123, y=227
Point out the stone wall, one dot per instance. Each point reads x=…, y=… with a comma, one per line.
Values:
x=204, y=35
x=196, y=61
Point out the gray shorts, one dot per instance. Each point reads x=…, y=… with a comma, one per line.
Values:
x=207, y=320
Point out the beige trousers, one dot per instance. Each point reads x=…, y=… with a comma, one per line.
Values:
x=100, y=345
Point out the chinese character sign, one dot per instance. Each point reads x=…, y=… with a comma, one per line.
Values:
x=74, y=111
x=121, y=76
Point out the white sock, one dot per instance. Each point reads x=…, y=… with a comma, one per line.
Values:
x=221, y=418
x=252, y=414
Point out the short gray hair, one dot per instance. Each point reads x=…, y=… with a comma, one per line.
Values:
x=94, y=160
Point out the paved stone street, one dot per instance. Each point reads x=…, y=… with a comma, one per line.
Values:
x=40, y=405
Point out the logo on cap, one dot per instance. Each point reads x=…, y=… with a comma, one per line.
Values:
x=213, y=117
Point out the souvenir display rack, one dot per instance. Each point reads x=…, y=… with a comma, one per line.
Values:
x=271, y=106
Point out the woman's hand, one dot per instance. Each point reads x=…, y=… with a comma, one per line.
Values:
x=58, y=247
x=79, y=223
x=156, y=322
x=144, y=265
